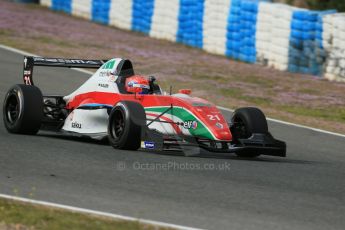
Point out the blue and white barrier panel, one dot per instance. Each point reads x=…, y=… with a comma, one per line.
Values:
x=254, y=31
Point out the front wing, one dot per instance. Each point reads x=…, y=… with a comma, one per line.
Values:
x=258, y=143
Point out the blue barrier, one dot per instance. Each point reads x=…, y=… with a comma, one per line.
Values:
x=190, y=21
x=302, y=42
x=248, y=16
x=241, y=33
x=62, y=5
x=234, y=27
x=142, y=12
x=304, y=52
x=100, y=11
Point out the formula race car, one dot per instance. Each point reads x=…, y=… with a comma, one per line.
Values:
x=133, y=112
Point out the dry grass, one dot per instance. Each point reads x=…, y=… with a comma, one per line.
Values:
x=21, y=216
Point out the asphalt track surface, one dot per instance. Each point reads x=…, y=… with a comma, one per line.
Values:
x=306, y=190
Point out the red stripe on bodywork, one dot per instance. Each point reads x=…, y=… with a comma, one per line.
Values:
x=173, y=124
x=201, y=112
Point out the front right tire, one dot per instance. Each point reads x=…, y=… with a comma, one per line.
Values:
x=247, y=121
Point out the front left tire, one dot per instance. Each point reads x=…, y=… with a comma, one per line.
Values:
x=127, y=120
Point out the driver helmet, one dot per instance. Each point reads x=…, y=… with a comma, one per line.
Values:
x=137, y=84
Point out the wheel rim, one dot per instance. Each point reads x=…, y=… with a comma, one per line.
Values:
x=118, y=125
x=12, y=109
x=240, y=129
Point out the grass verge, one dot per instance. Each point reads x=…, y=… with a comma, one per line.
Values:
x=23, y=216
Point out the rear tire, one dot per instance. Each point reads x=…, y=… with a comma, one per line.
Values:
x=246, y=122
x=23, y=109
x=126, y=122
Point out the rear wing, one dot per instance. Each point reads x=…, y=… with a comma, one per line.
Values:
x=30, y=62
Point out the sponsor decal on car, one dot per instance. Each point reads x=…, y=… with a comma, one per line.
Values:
x=136, y=85
x=213, y=117
x=76, y=125
x=106, y=73
x=103, y=85
x=25, y=62
x=66, y=61
x=219, y=125
x=190, y=124
x=201, y=104
x=148, y=145
x=112, y=78
x=109, y=65
x=27, y=80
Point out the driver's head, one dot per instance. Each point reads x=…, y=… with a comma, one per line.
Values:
x=137, y=84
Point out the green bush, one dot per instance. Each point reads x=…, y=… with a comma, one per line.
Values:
x=317, y=4
x=326, y=4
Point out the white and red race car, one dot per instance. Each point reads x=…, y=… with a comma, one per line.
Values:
x=133, y=114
